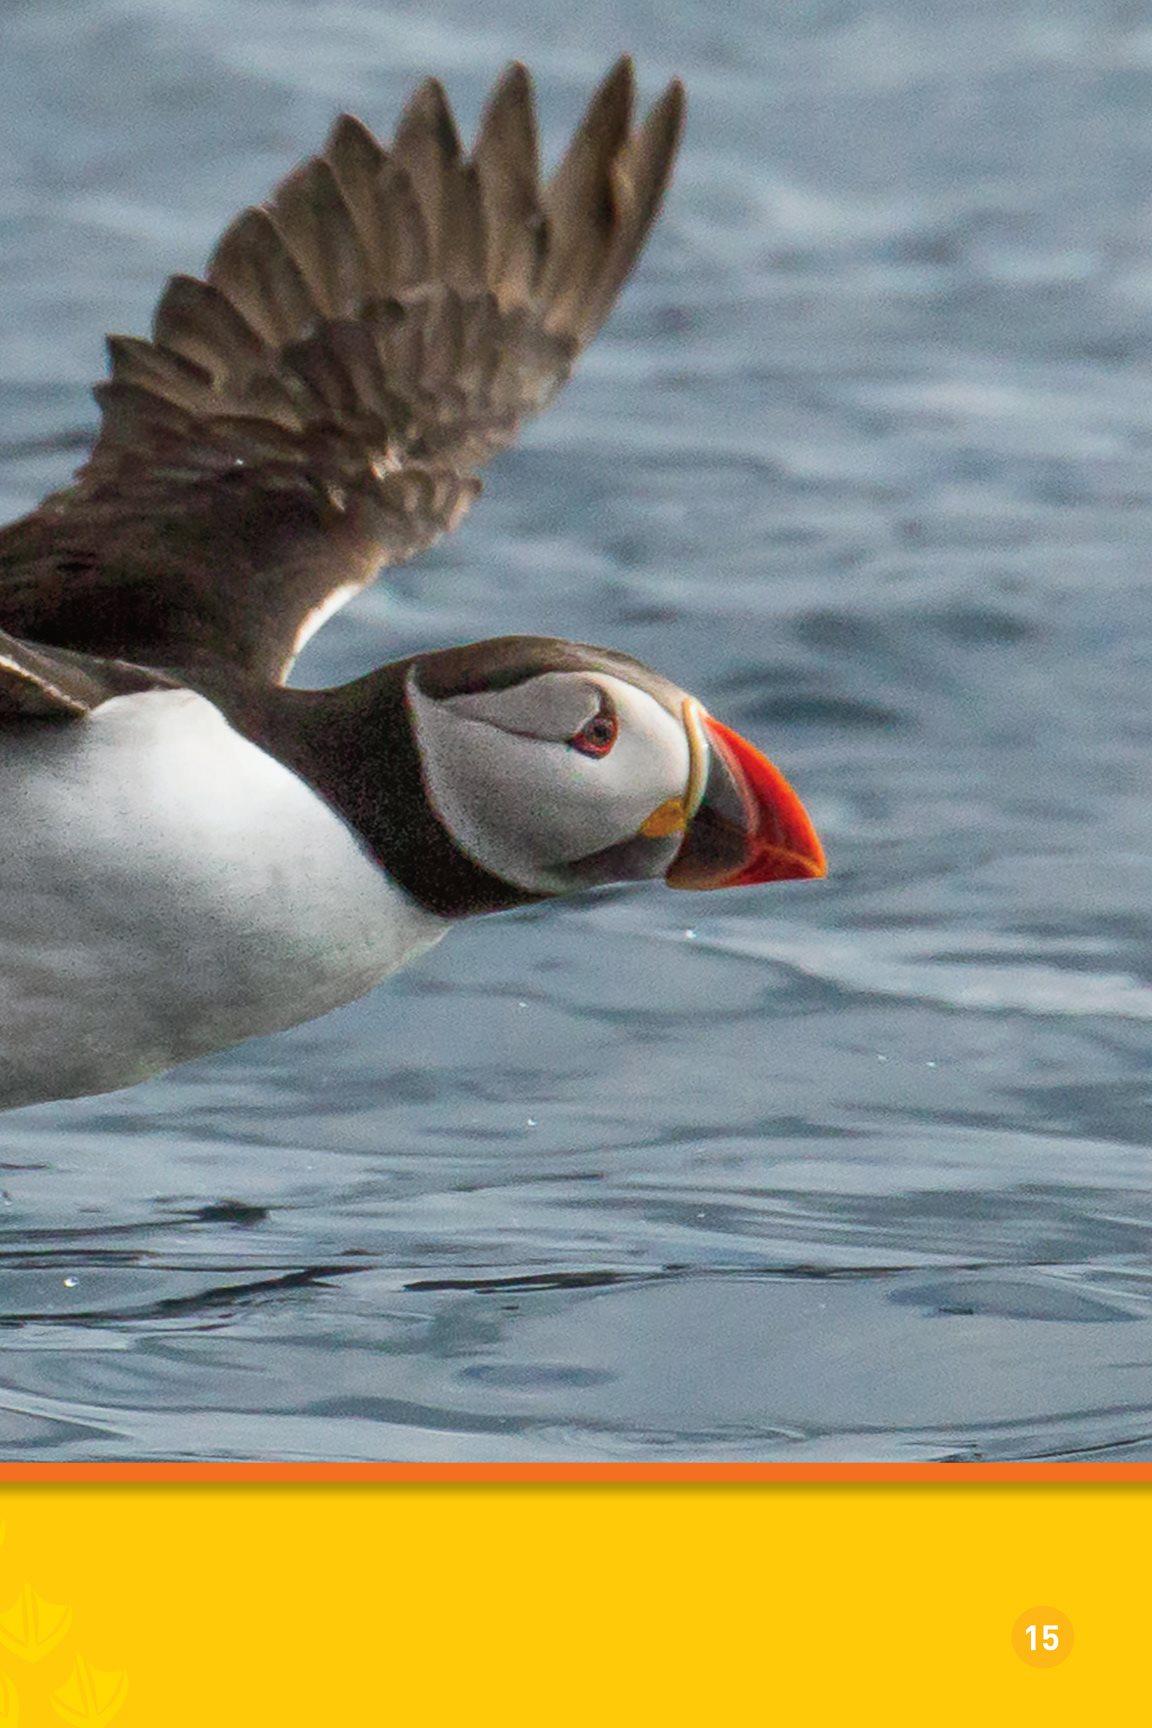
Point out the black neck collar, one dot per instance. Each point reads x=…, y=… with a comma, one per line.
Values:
x=355, y=746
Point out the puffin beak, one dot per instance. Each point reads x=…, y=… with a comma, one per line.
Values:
x=742, y=821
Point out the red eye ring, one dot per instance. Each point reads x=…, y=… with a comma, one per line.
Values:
x=597, y=737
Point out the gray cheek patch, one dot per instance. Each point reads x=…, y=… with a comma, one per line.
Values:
x=553, y=706
x=634, y=860
x=480, y=781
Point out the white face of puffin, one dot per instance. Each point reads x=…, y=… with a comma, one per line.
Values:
x=537, y=778
x=571, y=779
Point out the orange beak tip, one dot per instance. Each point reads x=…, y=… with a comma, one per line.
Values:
x=783, y=845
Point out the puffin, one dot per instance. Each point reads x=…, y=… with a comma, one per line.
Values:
x=193, y=852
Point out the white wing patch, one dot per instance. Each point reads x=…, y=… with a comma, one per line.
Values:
x=320, y=615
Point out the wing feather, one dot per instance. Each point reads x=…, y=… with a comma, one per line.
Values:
x=508, y=167
x=49, y=684
x=318, y=405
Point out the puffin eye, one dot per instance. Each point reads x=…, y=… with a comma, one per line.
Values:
x=597, y=737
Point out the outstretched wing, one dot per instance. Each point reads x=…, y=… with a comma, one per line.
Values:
x=317, y=406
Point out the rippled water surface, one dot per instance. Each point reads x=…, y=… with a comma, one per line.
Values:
x=856, y=1169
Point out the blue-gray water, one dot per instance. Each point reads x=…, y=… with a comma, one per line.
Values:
x=856, y=1169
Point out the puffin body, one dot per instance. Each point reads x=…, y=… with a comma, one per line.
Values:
x=168, y=888
x=193, y=853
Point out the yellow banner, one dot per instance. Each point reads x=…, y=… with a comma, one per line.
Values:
x=541, y=1606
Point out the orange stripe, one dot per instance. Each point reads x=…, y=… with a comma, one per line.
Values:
x=30, y=1474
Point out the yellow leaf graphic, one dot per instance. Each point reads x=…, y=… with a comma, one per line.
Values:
x=9, y=1703
x=90, y=1697
x=31, y=1627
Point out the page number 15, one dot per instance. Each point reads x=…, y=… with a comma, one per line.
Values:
x=1042, y=1636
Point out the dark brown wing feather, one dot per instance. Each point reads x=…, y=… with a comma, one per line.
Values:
x=55, y=684
x=318, y=405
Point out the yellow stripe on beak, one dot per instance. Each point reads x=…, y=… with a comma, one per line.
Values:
x=674, y=815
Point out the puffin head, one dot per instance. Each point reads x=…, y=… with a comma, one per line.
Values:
x=554, y=766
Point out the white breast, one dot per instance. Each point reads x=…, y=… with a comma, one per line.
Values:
x=166, y=889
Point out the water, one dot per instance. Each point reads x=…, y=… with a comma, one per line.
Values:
x=856, y=1169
